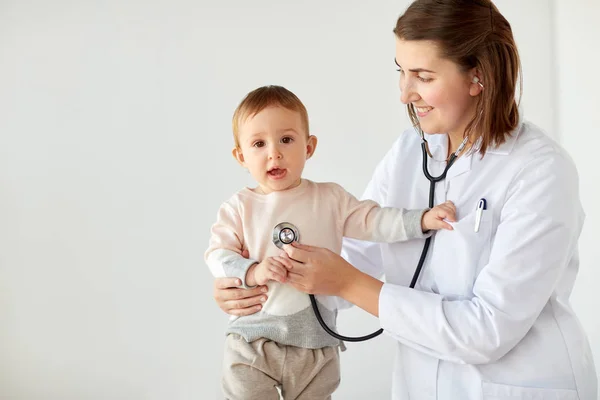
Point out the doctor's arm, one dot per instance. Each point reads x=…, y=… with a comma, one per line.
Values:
x=539, y=226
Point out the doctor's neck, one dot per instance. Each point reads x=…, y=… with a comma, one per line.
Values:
x=454, y=142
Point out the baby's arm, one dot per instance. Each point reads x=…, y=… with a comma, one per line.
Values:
x=269, y=269
x=224, y=253
x=367, y=220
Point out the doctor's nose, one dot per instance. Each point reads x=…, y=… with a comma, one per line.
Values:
x=407, y=92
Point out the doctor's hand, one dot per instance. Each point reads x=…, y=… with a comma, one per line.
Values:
x=316, y=270
x=236, y=301
x=434, y=218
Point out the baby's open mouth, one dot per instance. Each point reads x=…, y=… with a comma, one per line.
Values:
x=276, y=172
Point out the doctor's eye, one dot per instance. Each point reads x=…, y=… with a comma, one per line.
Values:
x=426, y=80
x=287, y=140
x=399, y=69
x=258, y=143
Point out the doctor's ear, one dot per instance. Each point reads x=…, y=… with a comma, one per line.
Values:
x=476, y=86
x=311, y=146
x=239, y=156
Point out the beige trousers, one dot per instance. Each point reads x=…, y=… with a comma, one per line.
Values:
x=254, y=371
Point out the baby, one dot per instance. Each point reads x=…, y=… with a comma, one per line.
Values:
x=283, y=346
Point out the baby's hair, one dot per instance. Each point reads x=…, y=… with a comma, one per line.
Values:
x=263, y=97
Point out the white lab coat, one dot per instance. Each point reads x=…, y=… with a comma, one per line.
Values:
x=491, y=317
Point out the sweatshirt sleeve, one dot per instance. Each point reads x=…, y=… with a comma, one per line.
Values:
x=367, y=220
x=224, y=253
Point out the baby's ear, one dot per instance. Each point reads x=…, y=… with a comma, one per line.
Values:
x=239, y=156
x=311, y=146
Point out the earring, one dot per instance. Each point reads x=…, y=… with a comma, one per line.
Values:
x=476, y=80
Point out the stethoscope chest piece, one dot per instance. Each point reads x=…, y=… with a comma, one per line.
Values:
x=285, y=233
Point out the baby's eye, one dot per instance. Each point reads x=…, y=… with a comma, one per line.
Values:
x=258, y=143
x=286, y=140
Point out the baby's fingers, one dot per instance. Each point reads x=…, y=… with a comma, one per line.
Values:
x=440, y=224
x=451, y=210
x=450, y=204
x=451, y=215
x=446, y=212
x=286, y=262
x=277, y=272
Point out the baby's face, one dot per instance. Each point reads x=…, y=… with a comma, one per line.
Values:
x=274, y=147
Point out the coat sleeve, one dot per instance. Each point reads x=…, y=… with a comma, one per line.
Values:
x=540, y=222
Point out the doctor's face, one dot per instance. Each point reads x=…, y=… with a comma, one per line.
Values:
x=442, y=94
x=274, y=146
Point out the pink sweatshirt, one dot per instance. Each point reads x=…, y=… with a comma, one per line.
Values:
x=323, y=213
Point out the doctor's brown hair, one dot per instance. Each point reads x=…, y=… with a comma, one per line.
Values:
x=472, y=34
x=263, y=97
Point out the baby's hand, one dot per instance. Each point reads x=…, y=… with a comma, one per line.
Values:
x=434, y=218
x=270, y=269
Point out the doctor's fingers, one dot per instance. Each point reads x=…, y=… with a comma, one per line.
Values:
x=297, y=281
x=308, y=272
x=308, y=281
x=298, y=267
x=243, y=307
x=226, y=283
x=226, y=289
x=240, y=301
x=296, y=253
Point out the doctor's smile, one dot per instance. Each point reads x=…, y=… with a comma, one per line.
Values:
x=423, y=111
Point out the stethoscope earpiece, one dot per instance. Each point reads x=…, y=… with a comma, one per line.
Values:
x=477, y=81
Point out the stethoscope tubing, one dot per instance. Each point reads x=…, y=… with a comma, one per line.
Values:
x=432, y=181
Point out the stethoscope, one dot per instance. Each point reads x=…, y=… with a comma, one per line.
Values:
x=286, y=233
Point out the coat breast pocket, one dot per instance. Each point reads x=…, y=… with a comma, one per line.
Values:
x=458, y=255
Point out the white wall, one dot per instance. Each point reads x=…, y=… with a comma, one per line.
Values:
x=578, y=57
x=114, y=157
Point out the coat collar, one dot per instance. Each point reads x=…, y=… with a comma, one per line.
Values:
x=438, y=144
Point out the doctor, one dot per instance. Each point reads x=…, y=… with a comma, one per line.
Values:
x=489, y=317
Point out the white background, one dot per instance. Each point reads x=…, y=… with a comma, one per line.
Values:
x=115, y=147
